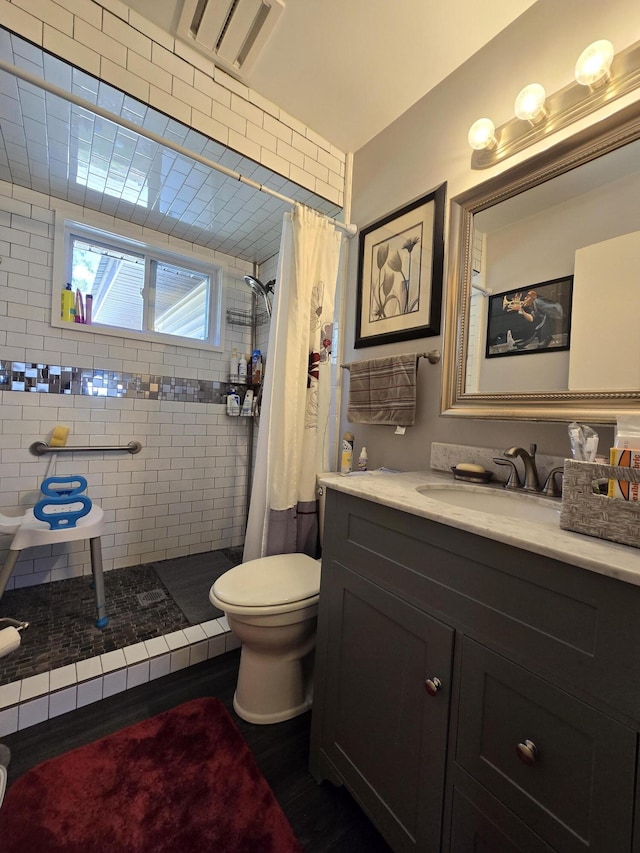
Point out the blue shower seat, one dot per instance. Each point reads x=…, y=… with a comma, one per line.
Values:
x=29, y=532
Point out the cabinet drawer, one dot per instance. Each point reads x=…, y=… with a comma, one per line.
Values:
x=576, y=792
x=474, y=830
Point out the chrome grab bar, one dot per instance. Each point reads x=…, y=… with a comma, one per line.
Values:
x=38, y=448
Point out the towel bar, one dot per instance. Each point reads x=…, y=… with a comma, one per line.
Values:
x=38, y=448
x=433, y=355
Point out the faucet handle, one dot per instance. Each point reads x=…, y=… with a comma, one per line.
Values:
x=532, y=450
x=513, y=480
x=551, y=486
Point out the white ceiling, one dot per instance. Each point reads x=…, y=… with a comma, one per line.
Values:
x=348, y=68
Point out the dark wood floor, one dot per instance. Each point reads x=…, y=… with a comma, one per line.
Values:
x=324, y=818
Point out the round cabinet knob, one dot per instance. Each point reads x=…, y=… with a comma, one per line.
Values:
x=527, y=752
x=432, y=686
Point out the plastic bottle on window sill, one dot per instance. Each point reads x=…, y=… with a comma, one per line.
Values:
x=68, y=311
x=363, y=460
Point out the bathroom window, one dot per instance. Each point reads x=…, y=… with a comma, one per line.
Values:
x=133, y=288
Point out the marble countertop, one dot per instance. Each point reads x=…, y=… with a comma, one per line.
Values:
x=398, y=490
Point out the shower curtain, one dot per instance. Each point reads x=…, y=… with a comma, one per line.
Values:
x=293, y=434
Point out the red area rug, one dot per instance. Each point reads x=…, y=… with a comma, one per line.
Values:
x=182, y=781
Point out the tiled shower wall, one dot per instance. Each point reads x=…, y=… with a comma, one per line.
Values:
x=111, y=41
x=185, y=492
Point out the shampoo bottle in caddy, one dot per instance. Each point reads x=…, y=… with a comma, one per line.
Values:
x=242, y=368
x=233, y=403
x=247, y=404
x=346, y=460
x=256, y=367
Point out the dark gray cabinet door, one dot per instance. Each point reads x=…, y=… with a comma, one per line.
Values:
x=386, y=706
x=562, y=767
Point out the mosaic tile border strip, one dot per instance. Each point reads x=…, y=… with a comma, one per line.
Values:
x=93, y=382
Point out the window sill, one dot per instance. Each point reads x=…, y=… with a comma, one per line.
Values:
x=128, y=334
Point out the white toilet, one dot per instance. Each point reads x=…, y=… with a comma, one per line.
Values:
x=272, y=605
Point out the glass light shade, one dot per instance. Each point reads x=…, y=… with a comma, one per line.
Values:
x=482, y=134
x=594, y=63
x=529, y=105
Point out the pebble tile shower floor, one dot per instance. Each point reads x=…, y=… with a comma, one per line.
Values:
x=62, y=618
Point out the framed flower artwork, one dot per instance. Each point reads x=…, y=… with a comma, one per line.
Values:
x=400, y=263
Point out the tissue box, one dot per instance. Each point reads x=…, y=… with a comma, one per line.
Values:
x=623, y=489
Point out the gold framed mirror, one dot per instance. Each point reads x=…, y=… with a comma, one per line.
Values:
x=573, y=210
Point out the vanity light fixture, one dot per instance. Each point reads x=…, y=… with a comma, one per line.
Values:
x=593, y=67
x=529, y=105
x=482, y=135
x=600, y=76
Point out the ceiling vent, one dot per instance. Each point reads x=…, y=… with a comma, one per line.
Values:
x=231, y=32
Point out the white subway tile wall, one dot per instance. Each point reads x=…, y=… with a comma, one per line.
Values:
x=184, y=493
x=111, y=41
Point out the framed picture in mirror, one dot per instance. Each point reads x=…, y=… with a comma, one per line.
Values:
x=400, y=266
x=530, y=319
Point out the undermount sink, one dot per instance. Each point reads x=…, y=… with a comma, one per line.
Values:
x=516, y=505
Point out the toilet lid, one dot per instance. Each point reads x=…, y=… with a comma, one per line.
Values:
x=270, y=580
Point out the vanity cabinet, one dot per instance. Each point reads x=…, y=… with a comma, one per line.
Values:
x=387, y=705
x=470, y=695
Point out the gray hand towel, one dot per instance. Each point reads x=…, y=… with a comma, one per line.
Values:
x=383, y=390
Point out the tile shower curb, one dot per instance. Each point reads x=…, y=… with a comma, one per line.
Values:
x=41, y=697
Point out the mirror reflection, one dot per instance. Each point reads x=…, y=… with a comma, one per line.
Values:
x=558, y=229
x=550, y=276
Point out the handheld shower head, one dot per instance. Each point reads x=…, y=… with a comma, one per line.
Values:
x=260, y=289
x=255, y=284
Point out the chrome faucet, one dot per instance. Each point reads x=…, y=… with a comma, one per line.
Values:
x=531, y=483
x=553, y=484
x=513, y=480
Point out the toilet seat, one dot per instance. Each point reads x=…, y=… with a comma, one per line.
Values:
x=275, y=584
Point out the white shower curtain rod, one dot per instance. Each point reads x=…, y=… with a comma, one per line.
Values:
x=349, y=229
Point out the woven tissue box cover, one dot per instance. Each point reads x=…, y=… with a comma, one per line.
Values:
x=584, y=511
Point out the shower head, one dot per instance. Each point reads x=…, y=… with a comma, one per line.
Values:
x=260, y=289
